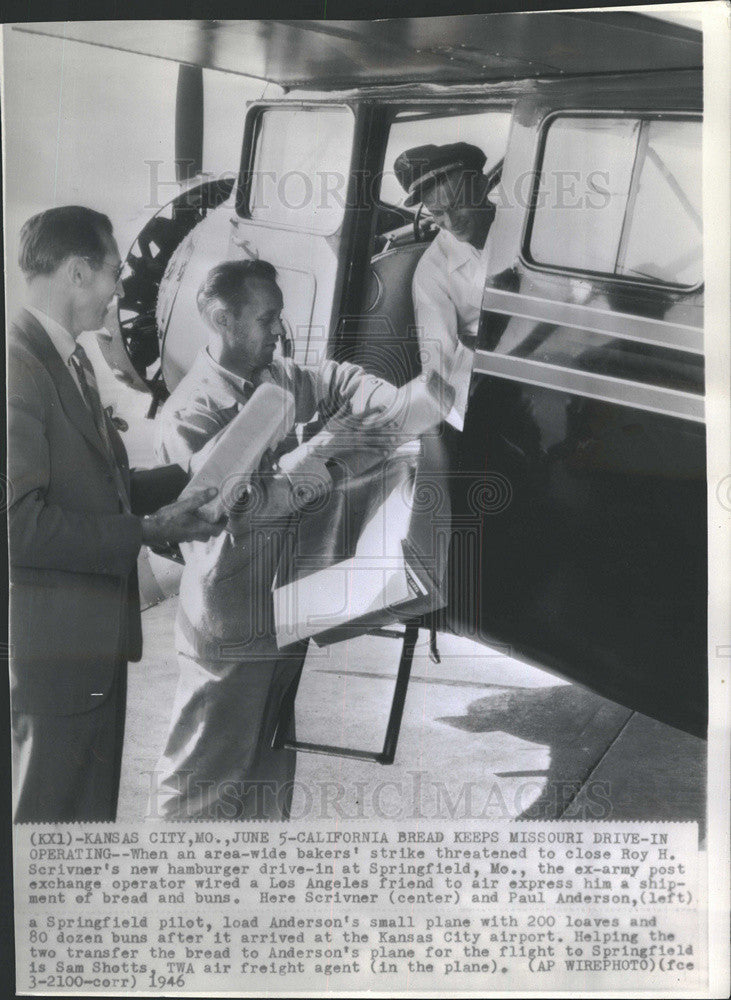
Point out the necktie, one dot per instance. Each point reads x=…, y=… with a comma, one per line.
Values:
x=90, y=391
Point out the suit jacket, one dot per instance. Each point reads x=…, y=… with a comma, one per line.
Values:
x=74, y=603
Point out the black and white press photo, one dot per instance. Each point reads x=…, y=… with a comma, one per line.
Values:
x=367, y=501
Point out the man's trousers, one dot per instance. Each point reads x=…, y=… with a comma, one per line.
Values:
x=66, y=768
x=218, y=763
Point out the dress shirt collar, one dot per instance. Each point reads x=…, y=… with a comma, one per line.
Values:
x=61, y=339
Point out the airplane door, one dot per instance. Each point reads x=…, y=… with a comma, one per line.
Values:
x=288, y=208
x=580, y=524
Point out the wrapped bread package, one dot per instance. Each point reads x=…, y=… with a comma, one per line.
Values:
x=235, y=453
x=393, y=417
x=413, y=409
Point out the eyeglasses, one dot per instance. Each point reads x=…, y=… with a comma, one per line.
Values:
x=116, y=268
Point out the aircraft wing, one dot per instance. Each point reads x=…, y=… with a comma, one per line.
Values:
x=335, y=55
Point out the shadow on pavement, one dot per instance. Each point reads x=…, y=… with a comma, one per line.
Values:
x=630, y=767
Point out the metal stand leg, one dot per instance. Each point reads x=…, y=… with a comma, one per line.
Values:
x=388, y=754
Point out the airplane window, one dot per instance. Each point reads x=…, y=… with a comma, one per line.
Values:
x=665, y=232
x=620, y=196
x=301, y=167
x=582, y=194
x=488, y=130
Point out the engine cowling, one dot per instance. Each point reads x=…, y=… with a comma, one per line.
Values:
x=151, y=268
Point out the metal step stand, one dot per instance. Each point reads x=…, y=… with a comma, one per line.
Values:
x=387, y=755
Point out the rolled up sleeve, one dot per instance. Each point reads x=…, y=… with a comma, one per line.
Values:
x=334, y=384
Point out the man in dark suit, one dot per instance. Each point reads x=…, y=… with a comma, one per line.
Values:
x=77, y=518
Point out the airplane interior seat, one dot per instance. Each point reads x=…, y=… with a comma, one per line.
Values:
x=387, y=342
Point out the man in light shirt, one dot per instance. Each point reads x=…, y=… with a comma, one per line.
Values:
x=218, y=762
x=449, y=278
x=77, y=517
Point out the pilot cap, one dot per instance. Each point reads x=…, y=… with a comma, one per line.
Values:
x=420, y=168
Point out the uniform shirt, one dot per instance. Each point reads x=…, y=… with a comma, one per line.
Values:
x=447, y=291
x=225, y=609
x=210, y=396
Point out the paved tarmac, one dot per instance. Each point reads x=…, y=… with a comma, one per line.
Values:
x=483, y=734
